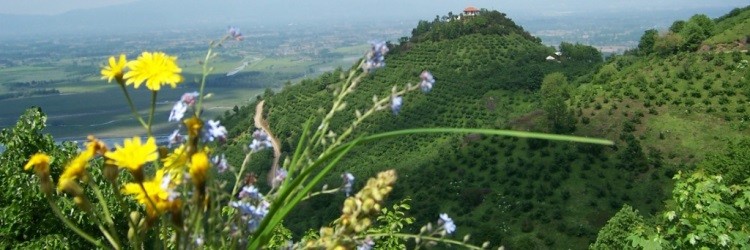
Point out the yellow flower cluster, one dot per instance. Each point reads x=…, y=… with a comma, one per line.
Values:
x=76, y=169
x=154, y=194
x=154, y=68
x=133, y=155
x=356, y=214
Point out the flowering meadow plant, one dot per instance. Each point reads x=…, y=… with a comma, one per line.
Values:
x=170, y=196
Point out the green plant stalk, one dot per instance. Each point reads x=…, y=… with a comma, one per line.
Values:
x=238, y=175
x=346, y=88
x=278, y=213
x=132, y=107
x=107, y=213
x=70, y=224
x=121, y=201
x=327, y=191
x=204, y=73
x=151, y=113
x=298, y=152
x=512, y=133
x=421, y=237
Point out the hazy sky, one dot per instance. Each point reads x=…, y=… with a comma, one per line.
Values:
x=51, y=7
x=549, y=7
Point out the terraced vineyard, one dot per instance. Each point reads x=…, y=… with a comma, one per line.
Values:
x=529, y=194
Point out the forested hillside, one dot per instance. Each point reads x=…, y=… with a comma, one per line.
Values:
x=676, y=100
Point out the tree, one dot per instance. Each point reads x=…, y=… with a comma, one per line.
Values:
x=555, y=91
x=697, y=29
x=668, y=44
x=677, y=26
x=646, y=45
x=705, y=214
x=732, y=163
x=614, y=234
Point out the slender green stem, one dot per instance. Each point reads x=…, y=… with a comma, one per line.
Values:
x=423, y=237
x=70, y=224
x=132, y=107
x=238, y=175
x=121, y=201
x=151, y=113
x=107, y=213
x=327, y=191
x=204, y=73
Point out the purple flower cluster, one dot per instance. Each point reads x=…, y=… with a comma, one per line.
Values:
x=376, y=56
x=235, y=33
x=214, y=131
x=427, y=81
x=179, y=108
x=261, y=141
x=220, y=162
x=252, y=213
x=252, y=206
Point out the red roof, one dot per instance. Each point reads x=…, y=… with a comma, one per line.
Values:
x=471, y=9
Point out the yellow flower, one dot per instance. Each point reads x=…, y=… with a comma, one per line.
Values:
x=133, y=155
x=114, y=69
x=76, y=170
x=175, y=162
x=193, y=126
x=40, y=163
x=156, y=196
x=155, y=69
x=198, y=167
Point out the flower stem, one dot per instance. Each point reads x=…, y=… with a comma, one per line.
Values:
x=151, y=114
x=107, y=214
x=239, y=175
x=423, y=237
x=69, y=224
x=132, y=107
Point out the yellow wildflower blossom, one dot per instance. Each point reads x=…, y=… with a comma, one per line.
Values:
x=114, y=69
x=40, y=163
x=198, y=167
x=155, y=69
x=177, y=160
x=194, y=126
x=76, y=170
x=154, y=195
x=133, y=155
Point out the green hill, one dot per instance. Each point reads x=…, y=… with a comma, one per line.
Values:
x=666, y=110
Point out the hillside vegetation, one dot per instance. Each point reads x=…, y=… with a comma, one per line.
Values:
x=666, y=109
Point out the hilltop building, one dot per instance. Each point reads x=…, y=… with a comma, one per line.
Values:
x=471, y=11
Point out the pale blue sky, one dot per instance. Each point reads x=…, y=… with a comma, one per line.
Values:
x=544, y=7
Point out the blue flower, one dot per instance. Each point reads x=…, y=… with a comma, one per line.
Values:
x=348, y=182
x=234, y=33
x=427, y=81
x=261, y=141
x=216, y=131
x=251, y=192
x=178, y=111
x=447, y=223
x=375, y=58
x=396, y=102
x=221, y=163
